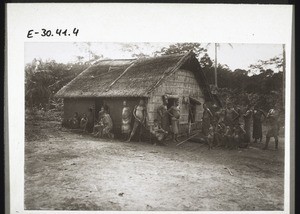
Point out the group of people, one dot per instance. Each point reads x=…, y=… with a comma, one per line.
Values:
x=167, y=122
x=99, y=127
x=231, y=127
x=161, y=125
x=228, y=127
x=102, y=125
x=86, y=122
x=133, y=122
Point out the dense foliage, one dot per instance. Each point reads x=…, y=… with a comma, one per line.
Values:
x=265, y=88
x=44, y=79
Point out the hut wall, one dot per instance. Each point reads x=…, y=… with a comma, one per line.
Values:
x=80, y=105
x=182, y=84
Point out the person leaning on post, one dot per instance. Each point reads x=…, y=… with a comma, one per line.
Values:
x=139, y=114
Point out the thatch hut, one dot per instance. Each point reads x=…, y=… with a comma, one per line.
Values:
x=109, y=82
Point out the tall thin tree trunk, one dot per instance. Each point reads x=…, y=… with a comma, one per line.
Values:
x=283, y=75
x=216, y=66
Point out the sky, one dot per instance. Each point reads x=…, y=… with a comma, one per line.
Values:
x=236, y=56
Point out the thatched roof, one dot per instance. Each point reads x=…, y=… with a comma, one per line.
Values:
x=127, y=78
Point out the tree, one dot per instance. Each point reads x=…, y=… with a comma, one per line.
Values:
x=205, y=61
x=134, y=49
x=206, y=65
x=262, y=65
x=180, y=48
x=85, y=47
x=44, y=78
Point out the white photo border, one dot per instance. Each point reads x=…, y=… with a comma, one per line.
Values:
x=98, y=22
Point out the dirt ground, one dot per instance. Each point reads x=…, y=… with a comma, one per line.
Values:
x=71, y=171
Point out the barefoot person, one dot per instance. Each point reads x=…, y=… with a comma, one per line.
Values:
x=163, y=116
x=238, y=136
x=174, y=112
x=210, y=137
x=228, y=137
x=219, y=134
x=158, y=132
x=231, y=115
x=104, y=125
x=126, y=120
x=257, y=116
x=247, y=121
x=206, y=119
x=83, y=122
x=139, y=114
x=75, y=121
x=107, y=126
x=98, y=128
x=273, y=127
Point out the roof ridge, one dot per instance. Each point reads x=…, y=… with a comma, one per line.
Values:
x=116, y=59
x=144, y=58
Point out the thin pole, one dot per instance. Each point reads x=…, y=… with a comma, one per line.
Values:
x=283, y=75
x=216, y=65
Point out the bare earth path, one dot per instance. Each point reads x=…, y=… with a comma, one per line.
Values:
x=70, y=171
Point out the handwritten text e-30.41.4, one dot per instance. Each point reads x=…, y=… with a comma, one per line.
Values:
x=49, y=33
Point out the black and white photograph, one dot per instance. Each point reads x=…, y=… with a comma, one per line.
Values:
x=154, y=126
x=178, y=108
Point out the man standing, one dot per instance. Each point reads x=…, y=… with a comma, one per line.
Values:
x=139, y=114
x=174, y=112
x=247, y=120
x=257, y=124
x=206, y=119
x=273, y=127
x=163, y=116
x=231, y=116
